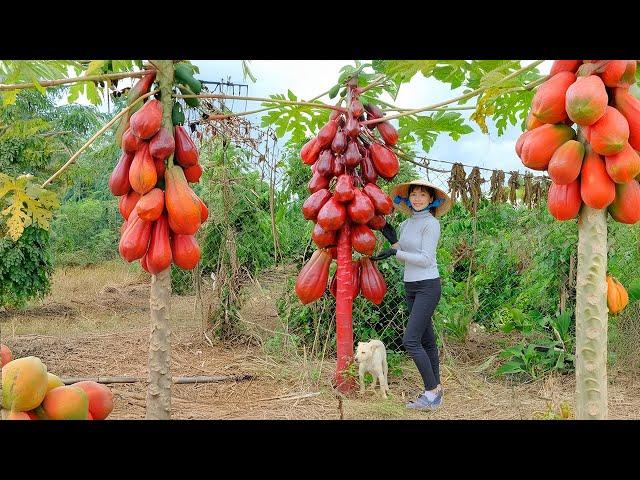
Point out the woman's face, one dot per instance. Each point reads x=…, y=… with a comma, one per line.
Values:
x=419, y=198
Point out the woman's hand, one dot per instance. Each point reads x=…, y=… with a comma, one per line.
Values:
x=396, y=245
x=384, y=254
x=389, y=233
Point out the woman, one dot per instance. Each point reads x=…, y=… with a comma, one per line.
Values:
x=416, y=248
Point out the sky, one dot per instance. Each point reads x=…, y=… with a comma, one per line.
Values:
x=308, y=78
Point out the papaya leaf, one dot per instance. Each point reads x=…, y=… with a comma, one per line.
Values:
x=403, y=71
x=425, y=129
x=95, y=67
x=299, y=120
x=26, y=204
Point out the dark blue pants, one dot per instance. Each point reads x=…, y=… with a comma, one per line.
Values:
x=419, y=338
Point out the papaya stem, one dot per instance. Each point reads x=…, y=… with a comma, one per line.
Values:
x=64, y=81
x=94, y=138
x=471, y=94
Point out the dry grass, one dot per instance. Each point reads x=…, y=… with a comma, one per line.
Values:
x=95, y=323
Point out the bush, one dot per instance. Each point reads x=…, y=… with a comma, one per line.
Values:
x=25, y=267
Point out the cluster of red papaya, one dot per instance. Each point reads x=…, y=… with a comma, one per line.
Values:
x=161, y=212
x=601, y=167
x=347, y=159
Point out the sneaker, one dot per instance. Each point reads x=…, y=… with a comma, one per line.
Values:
x=423, y=403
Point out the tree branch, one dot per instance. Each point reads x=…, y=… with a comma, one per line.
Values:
x=266, y=100
x=63, y=81
x=94, y=137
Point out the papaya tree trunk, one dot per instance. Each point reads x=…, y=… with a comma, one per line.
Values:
x=591, y=315
x=344, y=309
x=159, y=386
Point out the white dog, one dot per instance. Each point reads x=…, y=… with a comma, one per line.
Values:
x=372, y=357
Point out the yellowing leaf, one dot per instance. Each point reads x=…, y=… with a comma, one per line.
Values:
x=26, y=203
x=95, y=67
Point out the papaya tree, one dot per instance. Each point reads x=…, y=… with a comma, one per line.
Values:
x=29, y=203
x=592, y=174
x=504, y=91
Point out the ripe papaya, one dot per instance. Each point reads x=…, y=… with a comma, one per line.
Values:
x=317, y=182
x=388, y=133
x=326, y=134
x=381, y=201
x=372, y=284
x=352, y=155
x=162, y=145
x=610, y=134
x=629, y=106
x=24, y=384
x=160, y=168
x=312, y=279
x=193, y=173
x=310, y=152
x=332, y=215
x=623, y=166
x=183, y=208
x=142, y=173
x=127, y=203
x=626, y=206
x=566, y=162
x=532, y=122
x=352, y=127
x=596, y=187
x=343, y=190
x=564, y=201
x=151, y=205
x=363, y=239
x=146, y=122
x=548, y=104
x=565, y=66
x=135, y=239
x=323, y=238
x=314, y=203
x=130, y=143
x=324, y=165
x=66, y=403
x=186, y=152
x=119, y=180
x=361, y=208
x=617, y=296
x=539, y=144
x=100, y=399
x=384, y=160
x=377, y=222
x=619, y=73
x=159, y=253
x=185, y=251
x=586, y=100
x=367, y=169
x=339, y=143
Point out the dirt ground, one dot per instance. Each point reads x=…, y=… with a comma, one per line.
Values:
x=95, y=324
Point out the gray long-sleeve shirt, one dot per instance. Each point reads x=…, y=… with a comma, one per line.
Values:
x=418, y=239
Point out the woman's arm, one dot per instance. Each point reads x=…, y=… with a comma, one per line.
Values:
x=426, y=257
